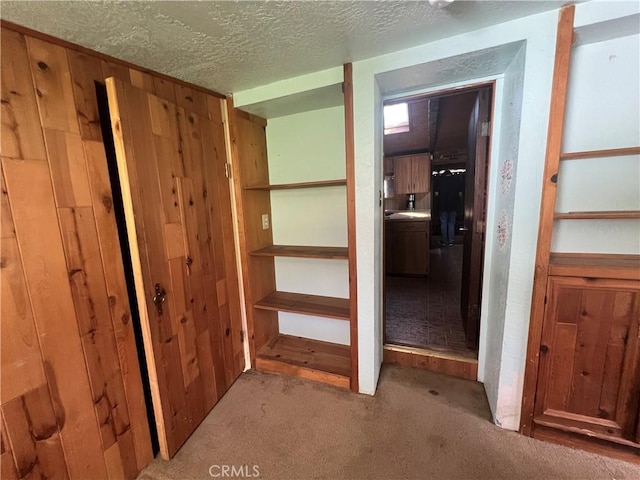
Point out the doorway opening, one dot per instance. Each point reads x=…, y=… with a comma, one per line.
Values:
x=118, y=209
x=435, y=182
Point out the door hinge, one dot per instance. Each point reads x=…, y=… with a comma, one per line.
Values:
x=227, y=170
x=484, y=129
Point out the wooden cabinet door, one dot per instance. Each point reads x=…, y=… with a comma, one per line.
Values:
x=402, y=169
x=421, y=173
x=171, y=166
x=411, y=250
x=589, y=373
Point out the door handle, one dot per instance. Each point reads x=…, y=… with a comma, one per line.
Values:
x=159, y=297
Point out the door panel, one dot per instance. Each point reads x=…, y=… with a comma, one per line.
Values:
x=590, y=358
x=177, y=207
x=474, y=217
x=402, y=169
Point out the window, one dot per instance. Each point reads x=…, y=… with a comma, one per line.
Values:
x=396, y=118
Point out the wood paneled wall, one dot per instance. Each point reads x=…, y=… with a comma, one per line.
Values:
x=72, y=401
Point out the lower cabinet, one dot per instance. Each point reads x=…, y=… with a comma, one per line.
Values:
x=406, y=247
x=589, y=371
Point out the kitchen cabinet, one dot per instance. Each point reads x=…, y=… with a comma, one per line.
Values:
x=412, y=173
x=406, y=247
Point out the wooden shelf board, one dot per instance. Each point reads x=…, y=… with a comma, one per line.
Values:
x=615, y=266
x=329, y=307
x=302, y=252
x=303, y=357
x=604, y=215
x=612, y=152
x=287, y=186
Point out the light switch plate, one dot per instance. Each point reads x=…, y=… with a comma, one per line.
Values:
x=265, y=221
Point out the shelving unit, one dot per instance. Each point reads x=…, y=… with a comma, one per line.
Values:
x=273, y=349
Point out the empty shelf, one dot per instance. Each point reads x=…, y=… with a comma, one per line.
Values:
x=312, y=359
x=286, y=186
x=329, y=307
x=604, y=215
x=595, y=265
x=302, y=252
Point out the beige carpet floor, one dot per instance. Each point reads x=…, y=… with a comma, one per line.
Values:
x=419, y=425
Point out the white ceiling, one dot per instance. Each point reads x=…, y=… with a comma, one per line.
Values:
x=231, y=46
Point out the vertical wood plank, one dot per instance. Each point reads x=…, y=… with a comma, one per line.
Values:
x=351, y=222
x=68, y=169
x=6, y=220
x=86, y=70
x=561, y=367
x=192, y=100
x=564, y=40
x=21, y=135
x=52, y=80
x=141, y=80
x=118, y=299
x=34, y=213
x=20, y=354
x=34, y=435
x=165, y=89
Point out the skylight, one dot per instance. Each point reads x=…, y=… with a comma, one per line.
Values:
x=396, y=118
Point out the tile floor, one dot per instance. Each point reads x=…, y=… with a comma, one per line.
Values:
x=425, y=312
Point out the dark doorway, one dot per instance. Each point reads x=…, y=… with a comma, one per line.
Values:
x=436, y=306
x=118, y=208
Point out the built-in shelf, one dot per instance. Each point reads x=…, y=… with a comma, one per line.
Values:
x=329, y=307
x=595, y=265
x=303, y=357
x=604, y=215
x=611, y=152
x=302, y=252
x=287, y=186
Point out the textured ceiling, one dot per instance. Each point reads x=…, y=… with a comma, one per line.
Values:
x=233, y=46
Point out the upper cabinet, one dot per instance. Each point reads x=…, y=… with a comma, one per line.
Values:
x=412, y=173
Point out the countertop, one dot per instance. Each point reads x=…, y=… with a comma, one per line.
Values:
x=407, y=215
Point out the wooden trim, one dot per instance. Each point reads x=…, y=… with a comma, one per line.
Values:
x=564, y=40
x=103, y=56
x=305, y=304
x=296, y=251
x=286, y=186
x=589, y=444
x=604, y=215
x=614, y=266
x=251, y=117
x=351, y=220
x=612, y=152
x=455, y=366
x=231, y=130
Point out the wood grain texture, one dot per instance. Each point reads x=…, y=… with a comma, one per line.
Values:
x=311, y=359
x=288, y=186
x=68, y=169
x=180, y=245
x=612, y=152
x=52, y=80
x=351, y=221
x=86, y=70
x=328, y=307
x=595, y=265
x=297, y=251
x=564, y=40
x=434, y=362
x=21, y=134
x=35, y=217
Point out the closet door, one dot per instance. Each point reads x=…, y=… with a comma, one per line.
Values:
x=171, y=166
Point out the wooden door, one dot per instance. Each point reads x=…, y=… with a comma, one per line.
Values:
x=589, y=373
x=402, y=169
x=171, y=165
x=474, y=216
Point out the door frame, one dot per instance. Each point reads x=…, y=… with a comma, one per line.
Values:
x=411, y=356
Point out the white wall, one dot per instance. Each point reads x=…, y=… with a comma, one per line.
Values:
x=306, y=147
x=500, y=213
x=602, y=112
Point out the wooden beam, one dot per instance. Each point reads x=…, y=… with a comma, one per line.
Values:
x=611, y=152
x=564, y=40
x=351, y=220
x=79, y=48
x=603, y=215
